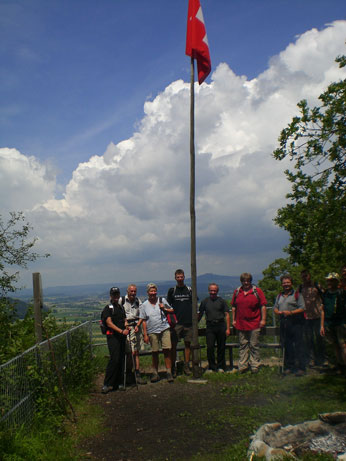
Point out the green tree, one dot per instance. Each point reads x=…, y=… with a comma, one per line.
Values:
x=315, y=217
x=15, y=251
x=271, y=284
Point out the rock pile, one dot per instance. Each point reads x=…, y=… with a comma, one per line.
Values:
x=327, y=435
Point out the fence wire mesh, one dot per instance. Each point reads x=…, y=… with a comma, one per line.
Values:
x=54, y=358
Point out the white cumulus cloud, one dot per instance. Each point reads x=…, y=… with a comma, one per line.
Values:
x=125, y=214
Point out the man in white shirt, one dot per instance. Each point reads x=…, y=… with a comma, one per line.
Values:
x=156, y=330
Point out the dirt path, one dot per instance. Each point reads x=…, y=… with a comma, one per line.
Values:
x=160, y=421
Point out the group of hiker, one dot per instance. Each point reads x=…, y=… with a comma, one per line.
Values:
x=308, y=316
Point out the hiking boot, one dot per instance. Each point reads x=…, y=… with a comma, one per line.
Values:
x=106, y=389
x=155, y=377
x=209, y=371
x=220, y=370
x=242, y=370
x=300, y=373
x=254, y=371
x=169, y=377
x=288, y=371
x=187, y=369
x=139, y=378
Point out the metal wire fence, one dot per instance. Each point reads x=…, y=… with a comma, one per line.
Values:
x=55, y=359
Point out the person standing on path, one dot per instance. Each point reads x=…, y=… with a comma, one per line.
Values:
x=290, y=307
x=116, y=333
x=249, y=316
x=156, y=330
x=312, y=326
x=180, y=298
x=216, y=311
x=131, y=304
x=334, y=320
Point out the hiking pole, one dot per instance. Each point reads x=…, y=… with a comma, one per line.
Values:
x=133, y=358
x=283, y=346
x=125, y=369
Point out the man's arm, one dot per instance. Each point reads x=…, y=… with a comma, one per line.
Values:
x=228, y=324
x=234, y=310
x=201, y=310
x=322, y=330
x=170, y=298
x=263, y=316
x=166, y=307
x=276, y=306
x=145, y=334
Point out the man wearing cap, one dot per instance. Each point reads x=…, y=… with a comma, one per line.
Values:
x=117, y=331
x=334, y=319
x=156, y=330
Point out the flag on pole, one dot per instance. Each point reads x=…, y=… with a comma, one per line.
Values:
x=196, y=40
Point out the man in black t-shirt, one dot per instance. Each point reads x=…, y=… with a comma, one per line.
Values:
x=180, y=298
x=218, y=327
x=117, y=331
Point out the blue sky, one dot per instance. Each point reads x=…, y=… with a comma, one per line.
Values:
x=93, y=120
x=75, y=73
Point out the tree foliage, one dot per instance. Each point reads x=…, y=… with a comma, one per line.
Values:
x=315, y=217
x=15, y=251
x=271, y=284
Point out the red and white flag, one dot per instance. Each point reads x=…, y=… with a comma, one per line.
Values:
x=196, y=40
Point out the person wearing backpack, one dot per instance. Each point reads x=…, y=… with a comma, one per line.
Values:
x=131, y=304
x=114, y=320
x=290, y=307
x=180, y=298
x=249, y=316
x=156, y=330
x=314, y=342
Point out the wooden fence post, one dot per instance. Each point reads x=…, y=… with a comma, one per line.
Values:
x=38, y=304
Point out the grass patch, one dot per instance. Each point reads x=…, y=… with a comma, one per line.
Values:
x=267, y=397
x=52, y=438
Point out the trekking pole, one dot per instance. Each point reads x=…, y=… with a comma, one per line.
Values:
x=283, y=347
x=133, y=359
x=125, y=369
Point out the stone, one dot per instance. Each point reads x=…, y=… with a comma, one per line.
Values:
x=327, y=435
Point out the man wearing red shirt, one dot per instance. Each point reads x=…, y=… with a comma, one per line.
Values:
x=249, y=316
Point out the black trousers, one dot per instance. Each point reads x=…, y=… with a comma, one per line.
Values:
x=216, y=333
x=115, y=367
x=291, y=335
x=314, y=341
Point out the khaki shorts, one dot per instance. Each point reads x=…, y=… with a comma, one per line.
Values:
x=164, y=338
x=179, y=332
x=336, y=334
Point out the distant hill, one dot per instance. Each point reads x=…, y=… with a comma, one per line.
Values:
x=227, y=284
x=19, y=305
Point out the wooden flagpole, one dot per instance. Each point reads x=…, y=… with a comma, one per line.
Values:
x=195, y=343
